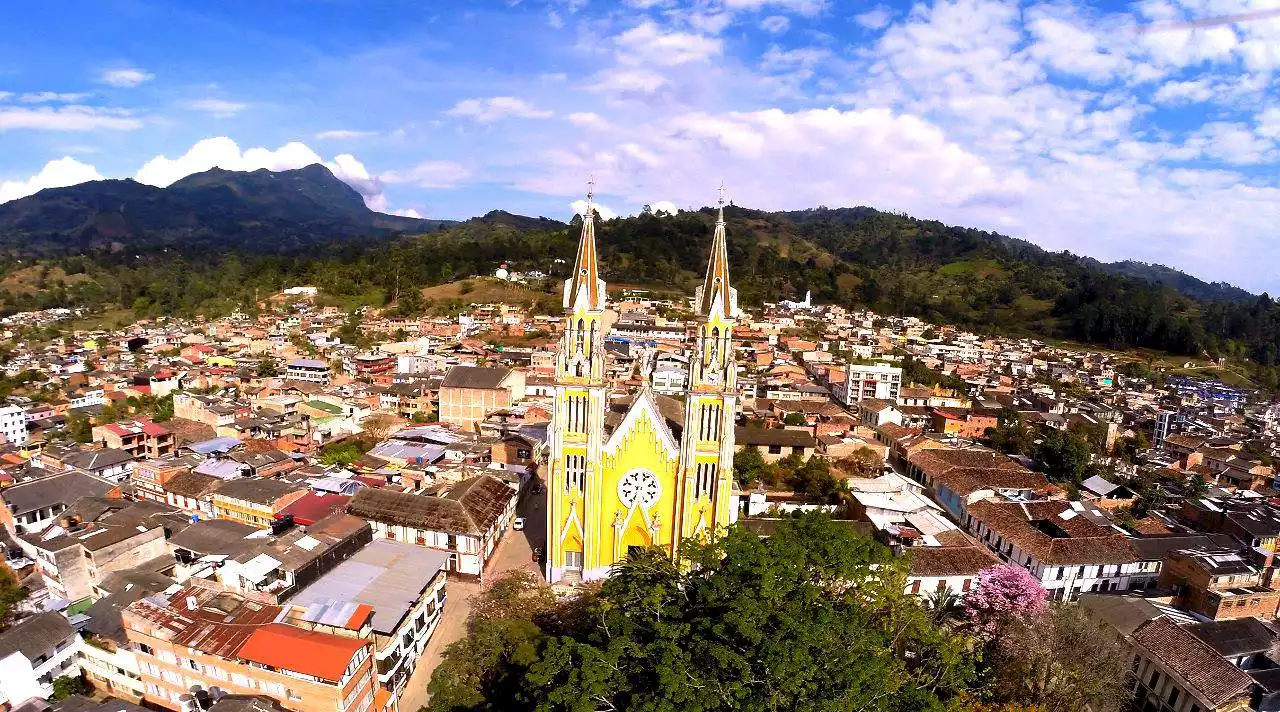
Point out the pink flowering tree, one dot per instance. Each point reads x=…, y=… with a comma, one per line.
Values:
x=1004, y=592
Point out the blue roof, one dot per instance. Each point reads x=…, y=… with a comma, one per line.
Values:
x=219, y=445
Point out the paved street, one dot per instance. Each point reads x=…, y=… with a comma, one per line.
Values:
x=515, y=551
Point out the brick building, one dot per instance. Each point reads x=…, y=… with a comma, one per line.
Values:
x=1218, y=584
x=468, y=394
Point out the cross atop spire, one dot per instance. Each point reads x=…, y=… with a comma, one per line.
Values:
x=583, y=286
x=715, y=291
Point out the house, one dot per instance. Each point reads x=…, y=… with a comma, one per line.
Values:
x=33, y=654
x=1068, y=548
x=465, y=523
x=140, y=438
x=308, y=371
x=1217, y=583
x=31, y=506
x=94, y=537
x=254, y=500
x=961, y=423
x=469, y=394
x=404, y=585
x=775, y=443
x=1173, y=669
x=951, y=566
x=201, y=637
x=110, y=464
x=958, y=478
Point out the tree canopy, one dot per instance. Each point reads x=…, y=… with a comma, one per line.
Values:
x=812, y=618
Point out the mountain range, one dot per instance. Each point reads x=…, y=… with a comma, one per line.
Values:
x=284, y=211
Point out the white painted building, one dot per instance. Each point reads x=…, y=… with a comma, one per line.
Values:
x=1060, y=543
x=13, y=424
x=880, y=381
x=33, y=654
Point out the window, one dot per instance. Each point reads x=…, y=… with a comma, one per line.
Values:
x=573, y=560
x=775, y=449
x=575, y=472
x=1173, y=697
x=704, y=479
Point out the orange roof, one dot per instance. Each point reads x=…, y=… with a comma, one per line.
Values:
x=285, y=647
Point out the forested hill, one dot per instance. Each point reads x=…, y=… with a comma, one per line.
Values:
x=257, y=211
x=853, y=256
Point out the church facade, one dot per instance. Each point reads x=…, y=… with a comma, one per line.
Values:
x=648, y=470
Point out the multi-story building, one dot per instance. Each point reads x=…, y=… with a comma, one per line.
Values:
x=253, y=500
x=33, y=505
x=405, y=586
x=469, y=394
x=95, y=537
x=465, y=524
x=1069, y=550
x=880, y=381
x=202, y=637
x=310, y=370
x=150, y=476
x=140, y=438
x=1218, y=584
x=33, y=654
x=13, y=425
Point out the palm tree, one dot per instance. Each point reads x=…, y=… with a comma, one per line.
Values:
x=943, y=606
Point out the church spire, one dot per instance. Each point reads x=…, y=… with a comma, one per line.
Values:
x=715, y=288
x=583, y=288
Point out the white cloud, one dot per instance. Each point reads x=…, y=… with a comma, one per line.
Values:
x=73, y=117
x=430, y=174
x=579, y=207
x=52, y=97
x=1063, y=43
x=217, y=107
x=407, y=213
x=587, y=120
x=496, y=108
x=55, y=174
x=222, y=152
x=801, y=7
x=875, y=19
x=665, y=206
x=1189, y=92
x=775, y=24
x=649, y=44
x=126, y=77
x=337, y=134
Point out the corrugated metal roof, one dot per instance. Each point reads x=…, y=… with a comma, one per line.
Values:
x=389, y=576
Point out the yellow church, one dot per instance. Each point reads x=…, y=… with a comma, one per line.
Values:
x=646, y=470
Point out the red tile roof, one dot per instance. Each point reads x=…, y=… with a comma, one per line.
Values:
x=285, y=647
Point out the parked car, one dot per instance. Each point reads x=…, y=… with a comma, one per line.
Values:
x=518, y=525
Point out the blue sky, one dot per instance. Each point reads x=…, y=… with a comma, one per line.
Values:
x=1066, y=123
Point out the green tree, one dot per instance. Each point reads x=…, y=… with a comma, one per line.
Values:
x=814, y=617
x=748, y=466
x=66, y=686
x=79, y=428
x=11, y=591
x=268, y=368
x=1064, y=455
x=793, y=419
x=164, y=409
